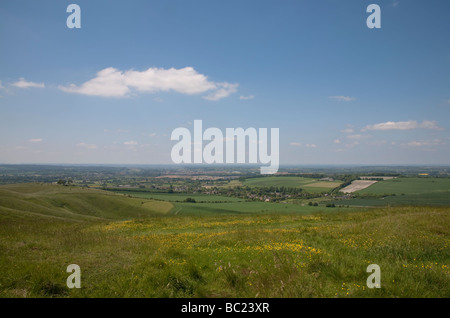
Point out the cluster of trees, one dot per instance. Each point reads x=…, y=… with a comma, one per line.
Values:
x=329, y=205
x=256, y=193
x=65, y=182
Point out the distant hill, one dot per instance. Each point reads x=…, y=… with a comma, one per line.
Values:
x=73, y=203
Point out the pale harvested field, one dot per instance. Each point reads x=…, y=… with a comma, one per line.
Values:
x=358, y=185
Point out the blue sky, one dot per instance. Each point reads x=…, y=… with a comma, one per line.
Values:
x=114, y=90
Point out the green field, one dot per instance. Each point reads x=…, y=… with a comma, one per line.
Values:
x=140, y=249
x=308, y=184
x=410, y=186
x=221, y=204
x=404, y=191
x=177, y=197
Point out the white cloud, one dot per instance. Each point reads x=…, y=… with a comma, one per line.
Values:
x=417, y=143
x=337, y=141
x=403, y=125
x=111, y=82
x=430, y=124
x=342, y=98
x=222, y=91
x=108, y=83
x=422, y=143
x=347, y=131
x=87, y=146
x=35, y=140
x=299, y=144
x=247, y=97
x=22, y=83
x=130, y=143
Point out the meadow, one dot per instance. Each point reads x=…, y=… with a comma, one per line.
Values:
x=144, y=249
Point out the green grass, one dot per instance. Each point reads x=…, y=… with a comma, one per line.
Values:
x=56, y=201
x=409, y=186
x=404, y=191
x=218, y=254
x=206, y=204
x=430, y=199
x=308, y=184
x=174, y=197
x=255, y=207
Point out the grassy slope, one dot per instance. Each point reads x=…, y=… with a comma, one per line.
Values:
x=220, y=255
x=44, y=200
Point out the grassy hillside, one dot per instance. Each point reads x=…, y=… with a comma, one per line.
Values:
x=73, y=203
x=135, y=250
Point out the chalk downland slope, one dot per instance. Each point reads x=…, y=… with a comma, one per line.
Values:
x=73, y=203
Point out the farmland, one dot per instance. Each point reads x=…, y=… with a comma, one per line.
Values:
x=358, y=185
x=309, y=184
x=404, y=191
x=276, y=236
x=220, y=204
x=410, y=186
x=159, y=254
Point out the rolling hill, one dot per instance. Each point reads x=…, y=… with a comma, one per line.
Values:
x=73, y=203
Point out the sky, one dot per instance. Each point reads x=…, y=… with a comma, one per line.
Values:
x=112, y=91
